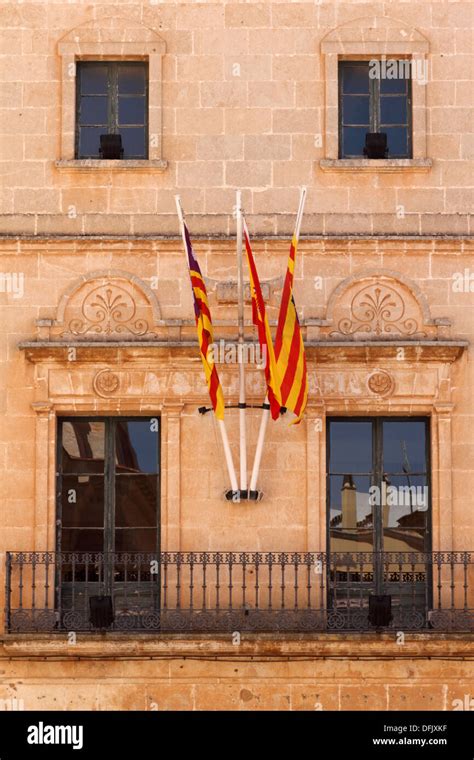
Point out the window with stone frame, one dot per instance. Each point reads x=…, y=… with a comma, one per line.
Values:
x=374, y=98
x=112, y=99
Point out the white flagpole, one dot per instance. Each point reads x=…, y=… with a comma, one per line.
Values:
x=221, y=424
x=240, y=349
x=266, y=409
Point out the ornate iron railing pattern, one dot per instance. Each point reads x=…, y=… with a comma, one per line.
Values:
x=239, y=591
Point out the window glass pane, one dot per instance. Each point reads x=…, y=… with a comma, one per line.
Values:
x=404, y=446
x=355, y=78
x=82, y=501
x=135, y=540
x=131, y=79
x=405, y=501
x=350, y=447
x=359, y=540
x=93, y=78
x=89, y=141
x=136, y=445
x=131, y=111
x=136, y=500
x=405, y=540
x=356, y=110
x=393, y=110
x=73, y=539
x=82, y=446
x=397, y=141
x=393, y=86
x=354, y=141
x=133, y=141
x=93, y=110
x=349, y=503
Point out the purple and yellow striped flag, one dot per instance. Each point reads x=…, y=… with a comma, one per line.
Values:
x=204, y=329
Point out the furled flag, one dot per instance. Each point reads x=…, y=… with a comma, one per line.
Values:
x=204, y=329
x=289, y=347
x=260, y=320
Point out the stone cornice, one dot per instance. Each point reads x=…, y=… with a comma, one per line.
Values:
x=325, y=351
x=252, y=647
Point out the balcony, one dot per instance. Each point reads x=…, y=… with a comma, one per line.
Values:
x=222, y=592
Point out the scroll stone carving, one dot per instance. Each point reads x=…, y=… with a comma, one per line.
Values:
x=107, y=305
x=108, y=309
x=378, y=306
x=378, y=309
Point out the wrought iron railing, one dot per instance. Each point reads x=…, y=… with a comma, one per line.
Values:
x=240, y=591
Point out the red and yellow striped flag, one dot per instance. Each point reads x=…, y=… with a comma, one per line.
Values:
x=289, y=347
x=260, y=320
x=204, y=329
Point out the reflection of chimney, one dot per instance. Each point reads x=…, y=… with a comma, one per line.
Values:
x=349, y=503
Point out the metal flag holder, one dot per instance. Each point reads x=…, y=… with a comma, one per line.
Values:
x=242, y=490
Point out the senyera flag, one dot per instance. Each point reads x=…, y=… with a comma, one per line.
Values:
x=289, y=347
x=204, y=329
x=260, y=320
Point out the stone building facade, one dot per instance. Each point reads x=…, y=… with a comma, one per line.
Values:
x=253, y=605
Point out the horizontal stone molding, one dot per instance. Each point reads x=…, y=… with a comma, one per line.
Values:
x=384, y=165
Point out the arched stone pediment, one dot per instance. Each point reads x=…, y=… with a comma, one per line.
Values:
x=380, y=305
x=373, y=29
x=110, y=30
x=107, y=305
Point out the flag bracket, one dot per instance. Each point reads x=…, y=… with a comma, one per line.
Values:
x=205, y=409
x=246, y=495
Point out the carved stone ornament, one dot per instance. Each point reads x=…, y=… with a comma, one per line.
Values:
x=108, y=309
x=107, y=305
x=378, y=305
x=381, y=383
x=378, y=309
x=106, y=383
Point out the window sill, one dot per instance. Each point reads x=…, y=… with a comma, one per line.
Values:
x=94, y=164
x=389, y=165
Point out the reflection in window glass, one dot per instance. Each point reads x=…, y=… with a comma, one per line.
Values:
x=136, y=445
x=83, y=444
x=135, y=540
x=356, y=110
x=350, y=447
x=356, y=79
x=135, y=500
x=131, y=79
x=94, y=111
x=404, y=446
x=349, y=501
x=82, y=540
x=83, y=501
x=93, y=78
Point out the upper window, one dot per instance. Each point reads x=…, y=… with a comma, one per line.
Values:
x=374, y=100
x=112, y=99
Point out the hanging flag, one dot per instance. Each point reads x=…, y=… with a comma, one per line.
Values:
x=260, y=320
x=204, y=329
x=289, y=347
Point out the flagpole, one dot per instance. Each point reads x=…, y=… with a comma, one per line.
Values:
x=240, y=351
x=253, y=493
x=221, y=424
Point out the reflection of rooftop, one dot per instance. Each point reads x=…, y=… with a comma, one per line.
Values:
x=394, y=539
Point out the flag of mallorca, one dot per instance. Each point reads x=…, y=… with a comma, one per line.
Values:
x=204, y=330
